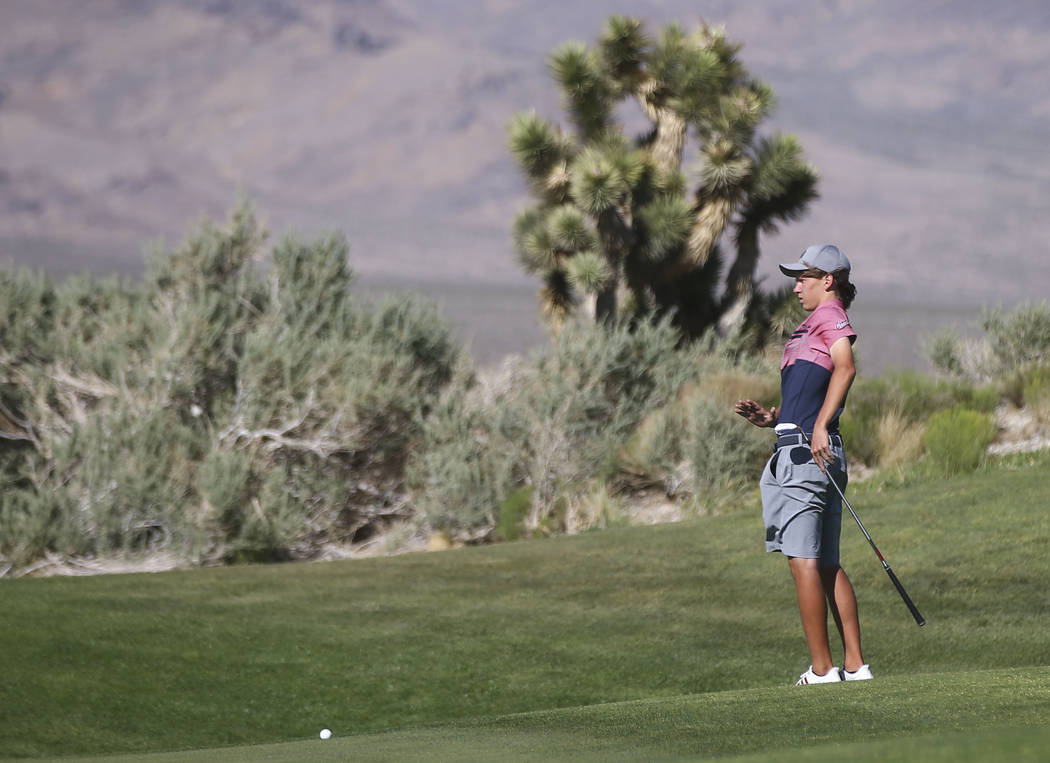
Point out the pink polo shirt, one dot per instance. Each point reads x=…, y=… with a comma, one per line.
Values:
x=805, y=369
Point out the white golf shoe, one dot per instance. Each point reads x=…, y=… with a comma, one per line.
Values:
x=863, y=673
x=809, y=677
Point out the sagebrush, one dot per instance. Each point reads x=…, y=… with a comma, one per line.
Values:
x=217, y=409
x=602, y=411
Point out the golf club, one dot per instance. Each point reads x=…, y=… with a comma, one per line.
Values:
x=789, y=428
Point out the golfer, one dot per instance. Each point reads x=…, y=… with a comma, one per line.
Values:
x=801, y=509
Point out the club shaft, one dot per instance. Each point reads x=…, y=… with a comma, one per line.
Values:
x=919, y=619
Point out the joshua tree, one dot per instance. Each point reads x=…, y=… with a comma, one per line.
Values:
x=614, y=227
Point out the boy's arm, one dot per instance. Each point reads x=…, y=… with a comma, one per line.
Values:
x=842, y=374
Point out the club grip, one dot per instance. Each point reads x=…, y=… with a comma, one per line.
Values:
x=919, y=619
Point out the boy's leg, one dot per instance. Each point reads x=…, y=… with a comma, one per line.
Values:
x=813, y=607
x=843, y=604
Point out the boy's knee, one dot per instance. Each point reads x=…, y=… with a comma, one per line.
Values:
x=802, y=566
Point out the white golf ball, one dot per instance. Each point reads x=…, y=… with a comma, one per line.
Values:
x=326, y=733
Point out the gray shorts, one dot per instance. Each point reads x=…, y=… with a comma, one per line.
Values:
x=801, y=510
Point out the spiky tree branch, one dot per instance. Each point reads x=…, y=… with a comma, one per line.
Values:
x=614, y=228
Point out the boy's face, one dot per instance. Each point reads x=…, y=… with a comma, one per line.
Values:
x=812, y=290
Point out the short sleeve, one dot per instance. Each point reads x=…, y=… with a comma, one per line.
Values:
x=834, y=325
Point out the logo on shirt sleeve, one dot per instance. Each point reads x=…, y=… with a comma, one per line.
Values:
x=842, y=324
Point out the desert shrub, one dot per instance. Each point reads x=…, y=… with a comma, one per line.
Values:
x=653, y=451
x=555, y=425
x=728, y=385
x=1035, y=392
x=946, y=352
x=205, y=298
x=662, y=449
x=120, y=482
x=1020, y=336
x=1026, y=386
x=102, y=326
x=582, y=399
x=1014, y=343
x=465, y=466
x=898, y=440
x=215, y=410
x=295, y=505
x=956, y=440
x=27, y=306
x=908, y=398
x=227, y=484
x=132, y=475
x=550, y=445
x=721, y=454
x=512, y=513
x=329, y=395
x=598, y=507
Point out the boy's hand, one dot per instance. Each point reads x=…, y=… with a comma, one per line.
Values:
x=820, y=447
x=755, y=413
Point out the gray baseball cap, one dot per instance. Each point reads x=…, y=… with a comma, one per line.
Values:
x=826, y=257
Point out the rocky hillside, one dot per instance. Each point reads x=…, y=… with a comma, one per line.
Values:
x=125, y=120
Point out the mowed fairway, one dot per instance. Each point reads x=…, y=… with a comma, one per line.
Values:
x=675, y=641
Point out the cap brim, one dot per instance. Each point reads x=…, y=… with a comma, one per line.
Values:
x=793, y=268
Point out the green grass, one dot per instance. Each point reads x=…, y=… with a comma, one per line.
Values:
x=673, y=641
x=891, y=719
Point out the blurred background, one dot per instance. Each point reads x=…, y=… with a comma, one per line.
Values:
x=125, y=122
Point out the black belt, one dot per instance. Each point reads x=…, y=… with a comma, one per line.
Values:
x=785, y=440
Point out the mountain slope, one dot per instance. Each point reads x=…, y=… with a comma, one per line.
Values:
x=123, y=121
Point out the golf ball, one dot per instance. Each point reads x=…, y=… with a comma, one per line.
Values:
x=326, y=733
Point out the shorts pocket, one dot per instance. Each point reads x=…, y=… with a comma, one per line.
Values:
x=773, y=464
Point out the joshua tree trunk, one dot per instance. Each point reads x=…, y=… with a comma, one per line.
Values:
x=740, y=282
x=670, y=129
x=614, y=234
x=605, y=304
x=711, y=221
